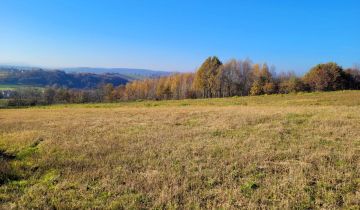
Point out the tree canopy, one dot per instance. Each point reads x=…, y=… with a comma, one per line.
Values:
x=207, y=75
x=326, y=77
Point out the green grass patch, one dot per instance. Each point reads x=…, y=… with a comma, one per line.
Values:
x=249, y=187
x=13, y=87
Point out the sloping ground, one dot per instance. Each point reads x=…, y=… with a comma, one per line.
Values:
x=292, y=151
x=131, y=74
x=42, y=78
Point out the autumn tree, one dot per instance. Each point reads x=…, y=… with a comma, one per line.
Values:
x=246, y=77
x=325, y=77
x=265, y=75
x=263, y=81
x=62, y=96
x=269, y=88
x=187, y=90
x=352, y=76
x=230, y=78
x=49, y=95
x=266, y=80
x=206, y=77
x=289, y=83
x=109, y=93
x=175, y=86
x=256, y=88
x=235, y=77
x=168, y=87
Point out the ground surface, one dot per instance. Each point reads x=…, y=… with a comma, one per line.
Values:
x=14, y=87
x=285, y=151
x=9, y=87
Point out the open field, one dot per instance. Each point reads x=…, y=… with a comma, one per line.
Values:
x=13, y=87
x=7, y=87
x=299, y=151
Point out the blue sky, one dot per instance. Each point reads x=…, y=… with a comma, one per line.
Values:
x=178, y=35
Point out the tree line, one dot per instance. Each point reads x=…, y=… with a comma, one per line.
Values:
x=212, y=79
x=239, y=78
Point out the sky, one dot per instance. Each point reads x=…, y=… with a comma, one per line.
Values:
x=177, y=35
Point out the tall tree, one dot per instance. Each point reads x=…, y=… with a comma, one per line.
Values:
x=265, y=75
x=233, y=77
x=256, y=88
x=49, y=95
x=205, y=78
x=109, y=94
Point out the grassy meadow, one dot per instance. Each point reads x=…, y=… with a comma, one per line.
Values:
x=296, y=151
x=14, y=87
x=9, y=87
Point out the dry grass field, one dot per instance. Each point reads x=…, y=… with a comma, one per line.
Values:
x=297, y=151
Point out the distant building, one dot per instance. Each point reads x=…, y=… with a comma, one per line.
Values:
x=6, y=93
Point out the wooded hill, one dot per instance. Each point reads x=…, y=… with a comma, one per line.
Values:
x=57, y=78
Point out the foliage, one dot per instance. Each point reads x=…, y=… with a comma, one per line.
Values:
x=240, y=78
x=256, y=88
x=206, y=77
x=291, y=85
x=325, y=77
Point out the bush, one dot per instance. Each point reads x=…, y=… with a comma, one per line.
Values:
x=291, y=85
x=269, y=88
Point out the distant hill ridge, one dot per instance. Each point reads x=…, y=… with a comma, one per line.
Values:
x=132, y=73
x=81, y=78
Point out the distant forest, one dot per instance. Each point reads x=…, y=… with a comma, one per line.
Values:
x=212, y=79
x=58, y=79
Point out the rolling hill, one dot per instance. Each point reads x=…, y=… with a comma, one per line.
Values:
x=81, y=77
x=43, y=78
x=129, y=72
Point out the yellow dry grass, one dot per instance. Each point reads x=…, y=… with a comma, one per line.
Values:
x=254, y=152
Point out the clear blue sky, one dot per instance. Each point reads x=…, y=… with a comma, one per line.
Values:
x=179, y=34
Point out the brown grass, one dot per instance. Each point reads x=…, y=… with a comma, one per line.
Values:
x=280, y=154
